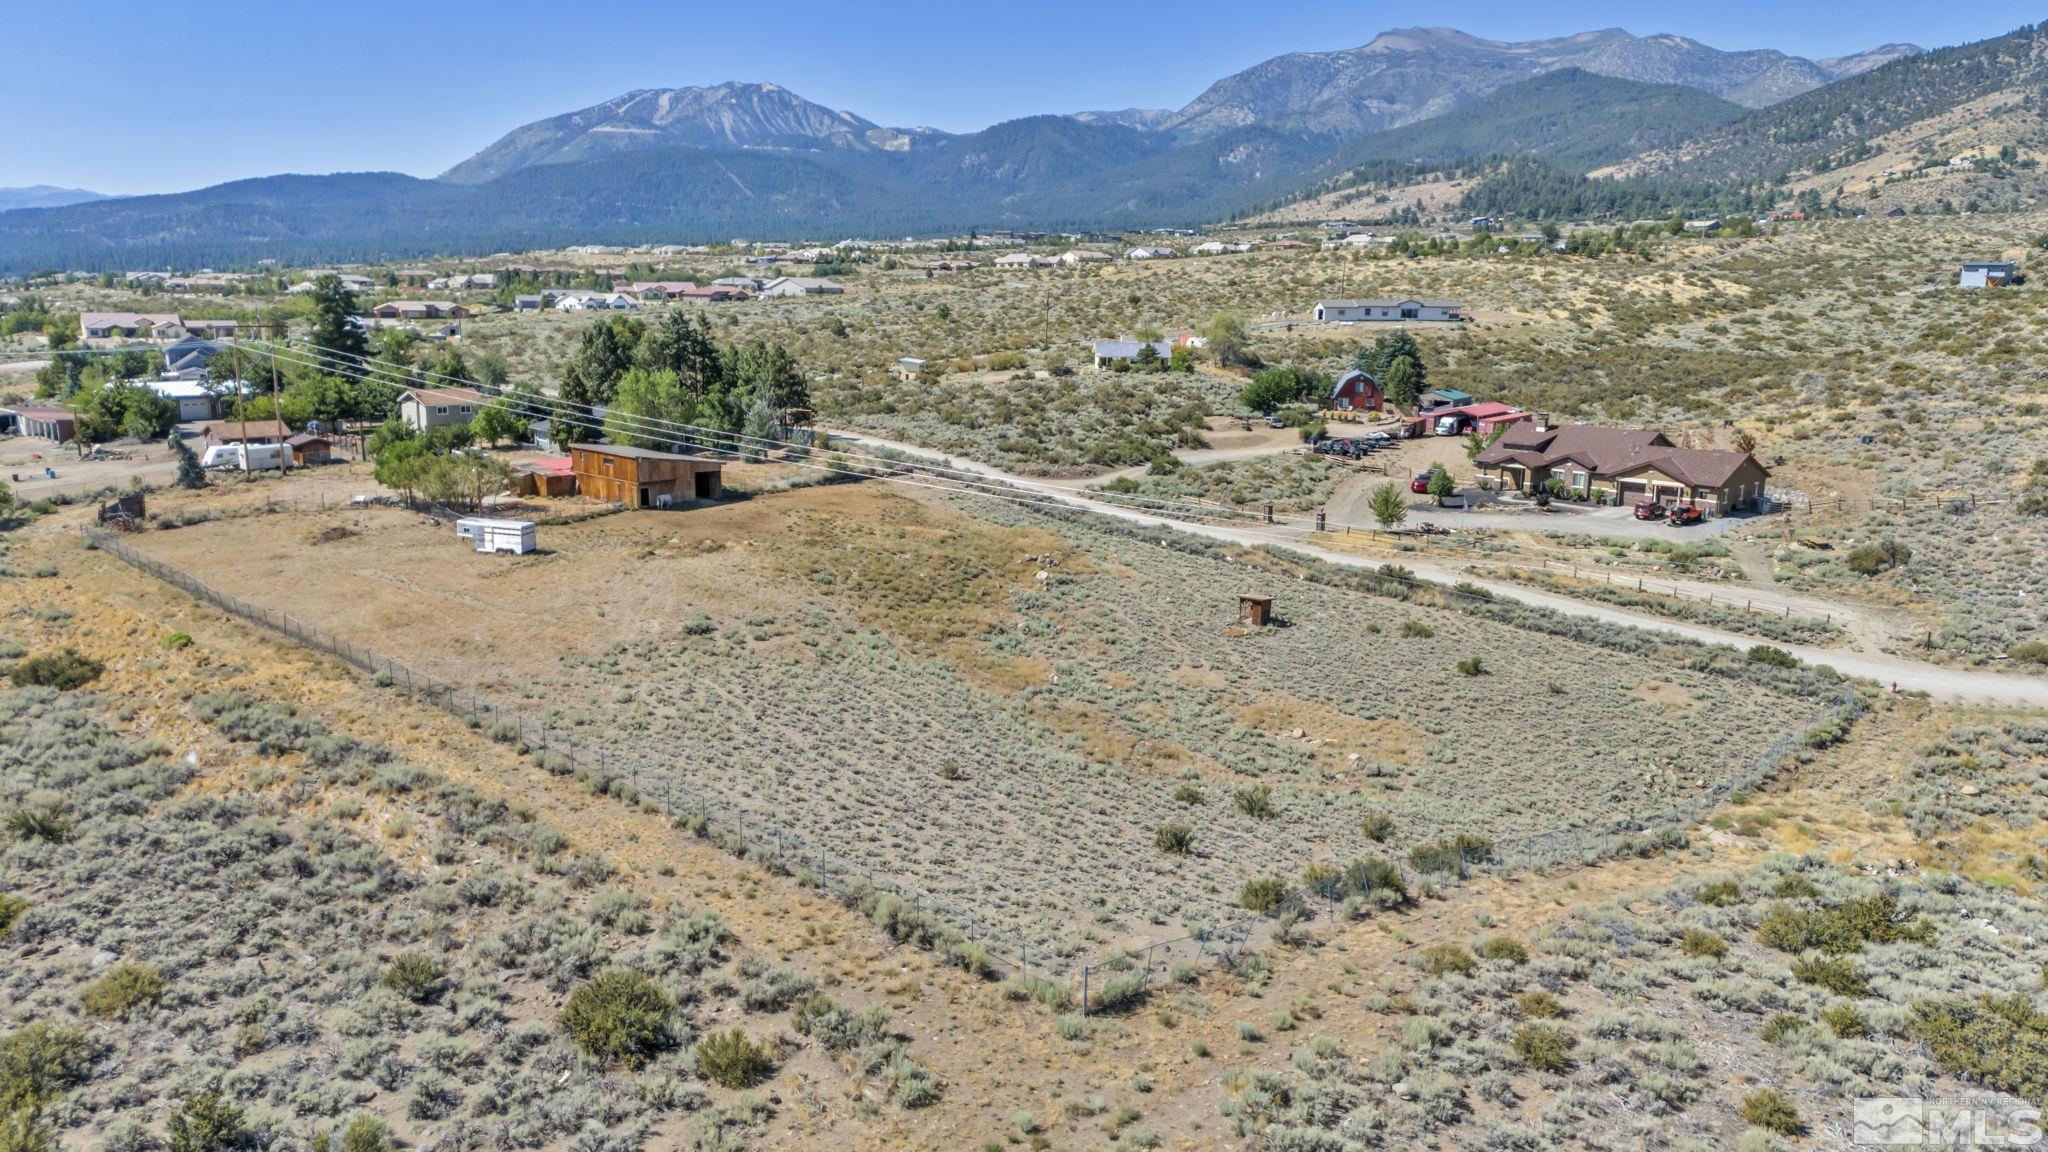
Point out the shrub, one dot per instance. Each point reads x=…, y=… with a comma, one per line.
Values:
x=1837, y=974
x=1471, y=666
x=1883, y=556
x=1371, y=874
x=415, y=976
x=1417, y=629
x=38, y=1063
x=1772, y=1110
x=1445, y=959
x=48, y=820
x=1845, y=1022
x=1188, y=794
x=2001, y=1041
x=206, y=1123
x=1719, y=894
x=366, y=1134
x=618, y=1015
x=1256, y=800
x=1503, y=948
x=730, y=1060
x=1774, y=657
x=2031, y=652
x=123, y=989
x=178, y=640
x=1543, y=1047
x=1262, y=893
x=1377, y=827
x=1781, y=1025
x=1121, y=991
x=1846, y=927
x=1451, y=855
x=11, y=909
x=1174, y=839
x=1700, y=942
x=1538, y=1004
x=64, y=671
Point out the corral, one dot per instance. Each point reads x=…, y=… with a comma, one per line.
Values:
x=893, y=677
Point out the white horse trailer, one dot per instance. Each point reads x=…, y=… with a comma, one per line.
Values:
x=248, y=457
x=514, y=536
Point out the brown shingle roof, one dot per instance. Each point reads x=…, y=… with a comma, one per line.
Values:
x=1612, y=452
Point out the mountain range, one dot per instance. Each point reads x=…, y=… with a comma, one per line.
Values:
x=692, y=164
x=44, y=196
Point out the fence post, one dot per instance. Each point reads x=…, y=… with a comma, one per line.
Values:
x=1084, y=991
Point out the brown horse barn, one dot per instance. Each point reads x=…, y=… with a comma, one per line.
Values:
x=1622, y=465
x=643, y=477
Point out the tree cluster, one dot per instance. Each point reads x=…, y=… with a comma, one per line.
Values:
x=672, y=372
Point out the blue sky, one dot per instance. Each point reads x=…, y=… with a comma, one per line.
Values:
x=127, y=98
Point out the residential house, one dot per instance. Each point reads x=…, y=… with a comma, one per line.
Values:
x=643, y=477
x=1218, y=248
x=1437, y=398
x=188, y=358
x=58, y=424
x=194, y=400
x=909, y=368
x=1284, y=245
x=426, y=408
x=799, y=286
x=745, y=283
x=527, y=303
x=231, y=431
x=713, y=293
x=1987, y=274
x=420, y=310
x=1021, y=260
x=659, y=289
x=1079, y=256
x=1108, y=352
x=128, y=325
x=1363, y=311
x=1356, y=392
x=949, y=265
x=1150, y=254
x=1623, y=465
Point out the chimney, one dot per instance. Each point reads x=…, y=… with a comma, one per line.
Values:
x=1543, y=421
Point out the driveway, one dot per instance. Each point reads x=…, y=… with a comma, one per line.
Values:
x=1909, y=675
x=1348, y=506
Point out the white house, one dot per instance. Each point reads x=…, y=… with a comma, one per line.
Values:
x=1150, y=254
x=193, y=399
x=1218, y=248
x=1108, y=352
x=1020, y=260
x=1359, y=311
x=1986, y=274
x=1081, y=256
x=799, y=286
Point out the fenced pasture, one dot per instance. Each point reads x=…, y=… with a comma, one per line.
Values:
x=894, y=685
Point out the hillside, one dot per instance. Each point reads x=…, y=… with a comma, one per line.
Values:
x=1411, y=74
x=1574, y=118
x=44, y=196
x=1835, y=126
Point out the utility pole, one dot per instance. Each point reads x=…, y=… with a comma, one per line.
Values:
x=284, y=451
x=242, y=409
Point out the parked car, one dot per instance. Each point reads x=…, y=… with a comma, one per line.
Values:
x=1421, y=481
x=1651, y=510
x=1687, y=514
x=1274, y=421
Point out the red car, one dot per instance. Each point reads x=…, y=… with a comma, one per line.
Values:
x=1687, y=514
x=1421, y=482
x=1651, y=510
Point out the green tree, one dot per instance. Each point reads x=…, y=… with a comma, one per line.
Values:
x=1282, y=385
x=603, y=354
x=497, y=422
x=462, y=478
x=645, y=395
x=122, y=408
x=1402, y=382
x=402, y=464
x=7, y=501
x=1389, y=505
x=335, y=327
x=767, y=374
x=1477, y=442
x=1226, y=336
x=1441, y=485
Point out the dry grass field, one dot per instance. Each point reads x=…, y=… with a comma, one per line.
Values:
x=892, y=677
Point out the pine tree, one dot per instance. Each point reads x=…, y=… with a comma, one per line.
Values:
x=190, y=474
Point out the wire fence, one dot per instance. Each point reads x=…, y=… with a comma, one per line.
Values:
x=1111, y=982
x=1104, y=983
x=749, y=836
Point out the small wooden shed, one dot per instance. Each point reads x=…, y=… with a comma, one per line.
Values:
x=1256, y=611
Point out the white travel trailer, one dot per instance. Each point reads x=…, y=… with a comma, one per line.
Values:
x=248, y=457
x=514, y=536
